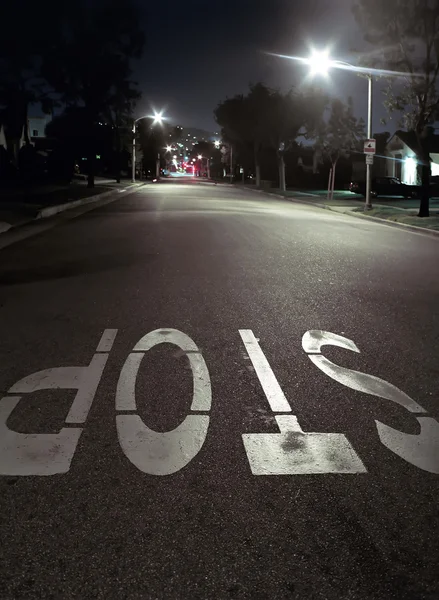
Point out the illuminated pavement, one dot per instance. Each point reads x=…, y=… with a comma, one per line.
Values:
x=180, y=418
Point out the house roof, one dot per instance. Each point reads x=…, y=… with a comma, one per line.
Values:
x=410, y=139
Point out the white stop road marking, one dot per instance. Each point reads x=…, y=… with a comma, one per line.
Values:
x=150, y=451
x=421, y=450
x=50, y=453
x=292, y=451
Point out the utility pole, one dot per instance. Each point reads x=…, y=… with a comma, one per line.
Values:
x=231, y=163
x=368, y=205
x=133, y=156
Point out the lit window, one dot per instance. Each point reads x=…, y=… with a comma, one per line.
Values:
x=410, y=171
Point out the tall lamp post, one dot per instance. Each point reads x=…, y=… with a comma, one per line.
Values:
x=168, y=154
x=368, y=205
x=157, y=119
x=320, y=63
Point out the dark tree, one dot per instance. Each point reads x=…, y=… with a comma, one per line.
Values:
x=89, y=61
x=342, y=134
x=266, y=119
x=24, y=38
x=236, y=130
x=74, y=137
x=404, y=34
x=119, y=116
x=289, y=117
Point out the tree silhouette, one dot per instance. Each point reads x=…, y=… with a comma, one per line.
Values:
x=342, y=134
x=268, y=119
x=404, y=37
x=88, y=62
x=21, y=51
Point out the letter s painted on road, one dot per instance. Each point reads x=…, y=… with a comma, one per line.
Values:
x=420, y=450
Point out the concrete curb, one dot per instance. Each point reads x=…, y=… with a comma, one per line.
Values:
x=360, y=215
x=353, y=213
x=414, y=228
x=49, y=211
x=425, y=231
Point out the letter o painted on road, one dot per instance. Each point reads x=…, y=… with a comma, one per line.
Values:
x=162, y=453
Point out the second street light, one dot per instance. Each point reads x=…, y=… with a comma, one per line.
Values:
x=157, y=119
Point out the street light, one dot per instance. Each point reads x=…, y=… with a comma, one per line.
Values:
x=157, y=120
x=320, y=64
x=200, y=157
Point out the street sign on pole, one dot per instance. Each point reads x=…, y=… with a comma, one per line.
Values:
x=370, y=146
x=369, y=159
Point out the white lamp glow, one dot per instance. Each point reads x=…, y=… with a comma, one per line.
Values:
x=158, y=118
x=319, y=62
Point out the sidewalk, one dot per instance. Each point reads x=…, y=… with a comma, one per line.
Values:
x=395, y=212
x=19, y=206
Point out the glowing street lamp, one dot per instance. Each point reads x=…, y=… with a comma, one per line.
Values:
x=217, y=143
x=200, y=157
x=157, y=120
x=319, y=62
x=133, y=157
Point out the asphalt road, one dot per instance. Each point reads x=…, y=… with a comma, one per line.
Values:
x=350, y=512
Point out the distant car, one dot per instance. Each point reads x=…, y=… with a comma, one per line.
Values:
x=189, y=169
x=385, y=186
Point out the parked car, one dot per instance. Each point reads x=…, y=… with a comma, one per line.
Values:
x=434, y=187
x=385, y=186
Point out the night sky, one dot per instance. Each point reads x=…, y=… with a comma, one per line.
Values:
x=198, y=53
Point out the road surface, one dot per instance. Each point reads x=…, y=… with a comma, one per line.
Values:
x=209, y=393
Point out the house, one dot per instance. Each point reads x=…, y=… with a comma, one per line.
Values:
x=401, y=150
x=37, y=126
